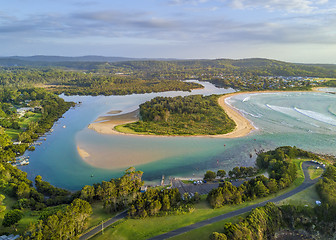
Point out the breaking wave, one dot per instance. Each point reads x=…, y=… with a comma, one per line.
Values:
x=317, y=116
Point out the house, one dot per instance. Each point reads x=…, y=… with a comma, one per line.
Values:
x=143, y=189
x=22, y=111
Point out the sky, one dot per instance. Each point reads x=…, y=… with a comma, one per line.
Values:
x=290, y=30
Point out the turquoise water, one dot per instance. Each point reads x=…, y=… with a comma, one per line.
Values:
x=306, y=120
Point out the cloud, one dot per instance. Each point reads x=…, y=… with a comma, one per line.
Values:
x=143, y=20
x=183, y=2
x=287, y=5
x=113, y=25
x=271, y=5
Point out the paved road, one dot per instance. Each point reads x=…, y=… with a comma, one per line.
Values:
x=307, y=183
x=97, y=229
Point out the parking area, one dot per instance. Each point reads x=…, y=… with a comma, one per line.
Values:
x=201, y=188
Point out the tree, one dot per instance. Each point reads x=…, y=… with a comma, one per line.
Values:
x=165, y=203
x=12, y=217
x=5, y=140
x=272, y=185
x=261, y=190
x=2, y=208
x=87, y=193
x=221, y=173
x=218, y=236
x=209, y=175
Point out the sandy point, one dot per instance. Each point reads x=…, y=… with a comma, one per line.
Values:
x=82, y=153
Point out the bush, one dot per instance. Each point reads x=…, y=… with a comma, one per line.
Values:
x=12, y=217
x=209, y=175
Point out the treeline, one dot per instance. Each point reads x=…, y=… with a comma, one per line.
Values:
x=236, y=172
x=243, y=172
x=66, y=224
x=188, y=115
x=264, y=222
x=261, y=223
x=155, y=202
x=63, y=215
x=282, y=172
x=326, y=187
x=15, y=183
x=264, y=67
x=126, y=77
x=90, y=83
x=330, y=83
x=115, y=194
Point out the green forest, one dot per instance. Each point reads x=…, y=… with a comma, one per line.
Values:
x=190, y=115
x=144, y=76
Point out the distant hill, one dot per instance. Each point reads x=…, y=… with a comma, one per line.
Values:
x=82, y=62
x=90, y=58
x=258, y=66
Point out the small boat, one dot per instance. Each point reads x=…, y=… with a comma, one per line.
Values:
x=64, y=126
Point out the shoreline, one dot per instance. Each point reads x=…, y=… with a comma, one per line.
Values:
x=107, y=124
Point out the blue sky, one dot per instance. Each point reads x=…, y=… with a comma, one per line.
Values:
x=289, y=30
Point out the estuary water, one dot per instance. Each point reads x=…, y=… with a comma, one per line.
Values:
x=304, y=119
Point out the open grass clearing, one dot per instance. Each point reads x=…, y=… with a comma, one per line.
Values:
x=315, y=172
x=306, y=197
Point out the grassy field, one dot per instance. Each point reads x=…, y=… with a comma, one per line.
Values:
x=13, y=133
x=30, y=117
x=149, y=227
x=21, y=226
x=300, y=175
x=306, y=197
x=23, y=122
x=315, y=172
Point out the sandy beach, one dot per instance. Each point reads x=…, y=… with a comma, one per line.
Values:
x=106, y=124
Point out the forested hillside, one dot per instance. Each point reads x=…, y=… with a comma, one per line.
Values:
x=126, y=77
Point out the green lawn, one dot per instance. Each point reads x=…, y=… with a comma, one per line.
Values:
x=29, y=217
x=306, y=197
x=13, y=133
x=30, y=117
x=23, y=122
x=315, y=172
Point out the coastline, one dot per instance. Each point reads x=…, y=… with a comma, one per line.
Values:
x=107, y=124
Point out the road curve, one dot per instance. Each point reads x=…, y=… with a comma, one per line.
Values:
x=306, y=184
